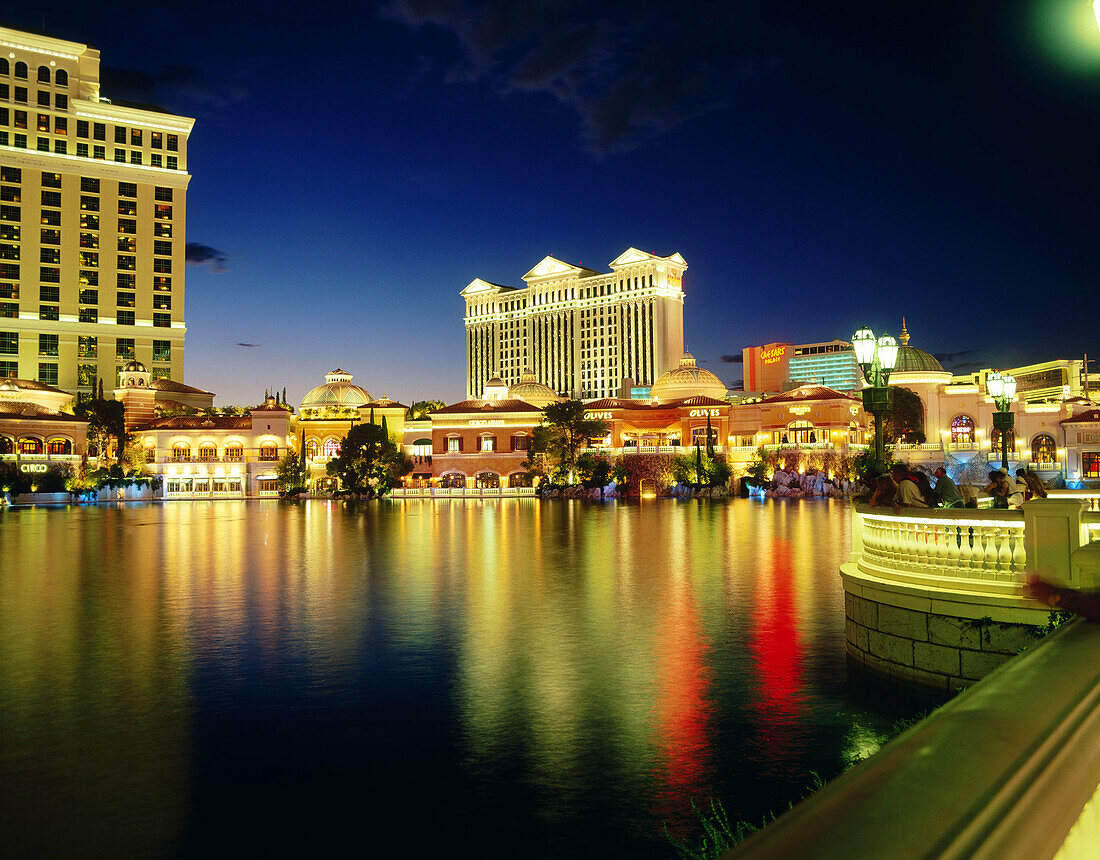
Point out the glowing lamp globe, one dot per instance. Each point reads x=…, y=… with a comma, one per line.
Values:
x=863, y=342
x=1008, y=383
x=887, y=352
x=995, y=384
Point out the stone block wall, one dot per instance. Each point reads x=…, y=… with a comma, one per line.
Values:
x=940, y=651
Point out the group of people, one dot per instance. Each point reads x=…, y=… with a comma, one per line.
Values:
x=907, y=488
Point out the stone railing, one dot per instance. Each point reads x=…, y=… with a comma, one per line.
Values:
x=461, y=492
x=1007, y=769
x=936, y=597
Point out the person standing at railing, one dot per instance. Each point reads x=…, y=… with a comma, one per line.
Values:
x=1032, y=486
x=908, y=494
x=999, y=488
x=946, y=492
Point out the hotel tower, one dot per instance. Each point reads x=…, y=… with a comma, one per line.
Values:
x=580, y=331
x=92, y=212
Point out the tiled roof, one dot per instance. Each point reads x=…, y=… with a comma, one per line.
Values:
x=179, y=387
x=200, y=422
x=23, y=409
x=31, y=385
x=617, y=403
x=481, y=406
x=699, y=400
x=809, y=392
x=1083, y=417
x=385, y=403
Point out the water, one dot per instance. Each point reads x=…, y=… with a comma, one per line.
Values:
x=503, y=678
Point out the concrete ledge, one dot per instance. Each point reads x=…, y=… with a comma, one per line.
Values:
x=1008, y=769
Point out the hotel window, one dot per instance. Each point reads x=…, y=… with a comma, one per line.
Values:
x=9, y=213
x=1090, y=464
x=51, y=180
x=181, y=452
x=60, y=147
x=21, y=95
x=60, y=125
x=49, y=255
x=124, y=318
x=88, y=315
x=162, y=194
x=88, y=278
x=82, y=150
x=488, y=443
x=48, y=344
x=173, y=142
x=11, y=194
x=99, y=131
x=207, y=453
x=163, y=230
x=99, y=152
x=8, y=369
x=127, y=207
x=43, y=74
x=89, y=204
x=995, y=440
x=9, y=252
x=162, y=350
x=9, y=343
x=331, y=448
x=61, y=101
x=19, y=141
x=162, y=265
x=125, y=281
x=962, y=430
x=155, y=160
x=44, y=123
x=120, y=134
x=156, y=139
x=126, y=300
x=11, y=174
x=454, y=444
x=1044, y=450
x=89, y=259
x=162, y=320
x=49, y=274
x=127, y=244
x=124, y=348
x=171, y=162
x=311, y=449
x=86, y=375
x=162, y=303
x=87, y=347
x=120, y=156
x=89, y=297
x=43, y=99
x=89, y=184
x=519, y=442
x=82, y=128
x=135, y=137
x=162, y=248
x=135, y=157
x=161, y=211
x=47, y=373
x=127, y=225
x=127, y=262
x=162, y=284
x=9, y=310
x=51, y=198
x=53, y=219
x=127, y=189
x=87, y=240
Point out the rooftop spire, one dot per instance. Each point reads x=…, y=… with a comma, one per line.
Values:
x=903, y=338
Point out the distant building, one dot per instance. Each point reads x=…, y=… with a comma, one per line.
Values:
x=580, y=331
x=92, y=215
x=778, y=367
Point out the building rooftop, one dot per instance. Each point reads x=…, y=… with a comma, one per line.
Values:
x=481, y=406
x=808, y=392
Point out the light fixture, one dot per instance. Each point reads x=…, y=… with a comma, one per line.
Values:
x=994, y=384
x=863, y=342
x=887, y=352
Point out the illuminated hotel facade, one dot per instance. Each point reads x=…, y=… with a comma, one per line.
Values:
x=777, y=367
x=581, y=332
x=92, y=214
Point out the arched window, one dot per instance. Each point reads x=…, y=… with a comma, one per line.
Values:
x=21, y=70
x=61, y=78
x=331, y=448
x=207, y=452
x=181, y=452
x=454, y=479
x=311, y=448
x=269, y=451
x=7, y=446
x=521, y=479
x=798, y=433
x=59, y=446
x=699, y=434
x=151, y=452
x=30, y=445
x=487, y=442
x=5, y=69
x=1044, y=450
x=234, y=452
x=43, y=74
x=487, y=480
x=995, y=440
x=962, y=430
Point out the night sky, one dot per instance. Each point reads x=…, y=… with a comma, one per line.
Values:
x=819, y=165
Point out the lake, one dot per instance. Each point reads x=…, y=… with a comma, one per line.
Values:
x=505, y=678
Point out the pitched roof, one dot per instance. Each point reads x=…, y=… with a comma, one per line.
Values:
x=199, y=422
x=809, y=392
x=32, y=385
x=23, y=409
x=699, y=400
x=1083, y=417
x=617, y=403
x=478, y=406
x=179, y=387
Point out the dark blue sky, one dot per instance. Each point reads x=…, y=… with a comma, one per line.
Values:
x=819, y=165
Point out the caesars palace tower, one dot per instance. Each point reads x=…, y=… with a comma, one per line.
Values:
x=579, y=331
x=92, y=210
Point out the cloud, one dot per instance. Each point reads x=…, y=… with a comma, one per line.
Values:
x=628, y=70
x=733, y=359
x=962, y=361
x=248, y=344
x=174, y=85
x=198, y=254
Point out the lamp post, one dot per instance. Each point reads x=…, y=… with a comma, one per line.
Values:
x=1002, y=388
x=876, y=359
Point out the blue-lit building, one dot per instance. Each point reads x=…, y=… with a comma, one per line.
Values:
x=832, y=364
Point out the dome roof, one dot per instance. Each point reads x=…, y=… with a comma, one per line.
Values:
x=134, y=367
x=913, y=360
x=687, y=380
x=338, y=390
x=530, y=390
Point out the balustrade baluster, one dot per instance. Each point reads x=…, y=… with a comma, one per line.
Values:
x=919, y=555
x=951, y=550
x=989, y=565
x=1019, y=555
x=1004, y=553
x=966, y=550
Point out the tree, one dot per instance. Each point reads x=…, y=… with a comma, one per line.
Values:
x=291, y=471
x=368, y=461
x=594, y=469
x=421, y=408
x=905, y=422
x=710, y=438
x=106, y=419
x=562, y=432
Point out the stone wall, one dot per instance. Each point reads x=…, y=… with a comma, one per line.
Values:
x=941, y=651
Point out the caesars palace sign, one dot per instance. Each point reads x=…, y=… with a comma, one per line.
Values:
x=771, y=356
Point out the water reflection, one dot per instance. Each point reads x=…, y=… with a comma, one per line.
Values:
x=563, y=676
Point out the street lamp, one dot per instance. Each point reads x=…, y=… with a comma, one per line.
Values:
x=876, y=359
x=1002, y=388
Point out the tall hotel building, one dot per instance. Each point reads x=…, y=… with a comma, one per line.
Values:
x=92, y=210
x=580, y=331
